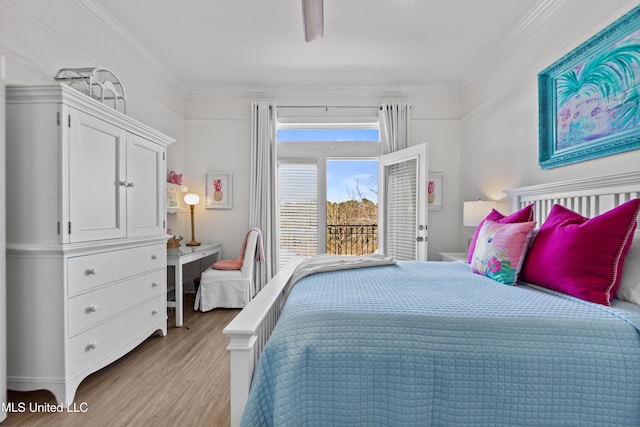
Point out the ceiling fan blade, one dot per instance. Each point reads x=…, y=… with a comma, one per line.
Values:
x=313, y=15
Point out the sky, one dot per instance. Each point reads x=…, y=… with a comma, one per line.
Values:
x=341, y=134
x=344, y=177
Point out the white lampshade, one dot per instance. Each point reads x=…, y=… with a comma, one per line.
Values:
x=191, y=199
x=474, y=212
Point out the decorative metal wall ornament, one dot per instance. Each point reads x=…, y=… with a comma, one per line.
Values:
x=98, y=83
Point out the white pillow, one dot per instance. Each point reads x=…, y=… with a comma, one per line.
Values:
x=629, y=289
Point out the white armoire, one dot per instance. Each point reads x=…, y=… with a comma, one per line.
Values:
x=86, y=245
x=3, y=305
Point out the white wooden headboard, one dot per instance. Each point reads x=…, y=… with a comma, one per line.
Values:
x=587, y=196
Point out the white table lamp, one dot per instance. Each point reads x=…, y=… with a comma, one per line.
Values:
x=474, y=212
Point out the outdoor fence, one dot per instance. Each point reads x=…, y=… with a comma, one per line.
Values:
x=351, y=239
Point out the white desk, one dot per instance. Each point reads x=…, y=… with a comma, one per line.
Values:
x=177, y=257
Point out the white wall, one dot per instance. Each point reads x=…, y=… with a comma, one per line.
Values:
x=499, y=128
x=218, y=137
x=435, y=120
x=38, y=37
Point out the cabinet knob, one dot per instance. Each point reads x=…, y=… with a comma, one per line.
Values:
x=154, y=311
x=91, y=346
x=154, y=285
x=154, y=256
x=123, y=183
x=129, y=184
x=92, y=309
x=91, y=272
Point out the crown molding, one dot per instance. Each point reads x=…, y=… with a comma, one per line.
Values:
x=130, y=41
x=537, y=14
x=320, y=92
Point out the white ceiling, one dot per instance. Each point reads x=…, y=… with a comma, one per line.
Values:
x=258, y=45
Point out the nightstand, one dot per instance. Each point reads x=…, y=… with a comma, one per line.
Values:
x=453, y=256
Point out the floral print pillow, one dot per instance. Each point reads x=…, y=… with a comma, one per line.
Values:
x=500, y=250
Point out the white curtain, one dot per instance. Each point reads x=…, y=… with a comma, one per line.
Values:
x=394, y=124
x=262, y=194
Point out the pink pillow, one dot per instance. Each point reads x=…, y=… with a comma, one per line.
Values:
x=228, y=264
x=500, y=250
x=523, y=215
x=579, y=256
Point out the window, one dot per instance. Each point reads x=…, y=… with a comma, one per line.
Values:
x=334, y=133
x=297, y=210
x=314, y=160
x=328, y=129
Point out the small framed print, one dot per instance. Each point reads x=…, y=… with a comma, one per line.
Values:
x=172, y=198
x=219, y=190
x=435, y=192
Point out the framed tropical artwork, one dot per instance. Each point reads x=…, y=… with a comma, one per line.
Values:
x=589, y=100
x=218, y=190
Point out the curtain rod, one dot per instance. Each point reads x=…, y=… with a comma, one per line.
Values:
x=326, y=107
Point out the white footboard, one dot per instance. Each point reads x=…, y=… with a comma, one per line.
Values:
x=249, y=331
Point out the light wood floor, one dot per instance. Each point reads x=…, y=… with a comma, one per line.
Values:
x=178, y=380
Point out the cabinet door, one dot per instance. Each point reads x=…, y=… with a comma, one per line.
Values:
x=97, y=179
x=146, y=190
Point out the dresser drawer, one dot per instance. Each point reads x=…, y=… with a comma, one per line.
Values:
x=85, y=310
x=91, y=346
x=89, y=271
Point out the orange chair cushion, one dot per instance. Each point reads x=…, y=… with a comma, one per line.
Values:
x=228, y=264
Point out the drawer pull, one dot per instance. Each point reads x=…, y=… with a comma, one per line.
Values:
x=154, y=256
x=155, y=311
x=92, y=309
x=91, y=272
x=91, y=346
x=154, y=285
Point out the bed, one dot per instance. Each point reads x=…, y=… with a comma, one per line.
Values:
x=399, y=345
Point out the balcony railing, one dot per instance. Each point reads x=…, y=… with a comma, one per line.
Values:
x=351, y=239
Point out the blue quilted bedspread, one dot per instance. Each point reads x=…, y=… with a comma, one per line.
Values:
x=431, y=344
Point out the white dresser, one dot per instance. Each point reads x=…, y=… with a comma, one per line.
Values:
x=86, y=246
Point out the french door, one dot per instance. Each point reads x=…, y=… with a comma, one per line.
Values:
x=402, y=195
